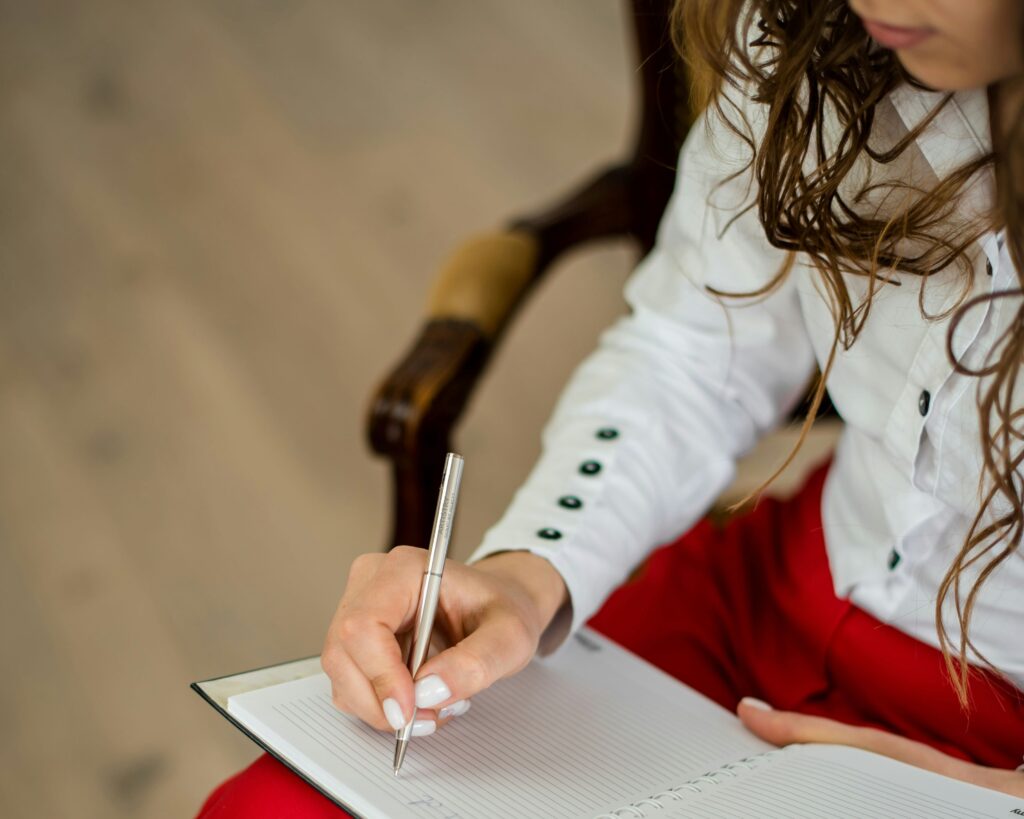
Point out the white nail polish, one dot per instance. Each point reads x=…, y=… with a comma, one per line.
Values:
x=754, y=702
x=423, y=727
x=456, y=709
x=393, y=713
x=431, y=691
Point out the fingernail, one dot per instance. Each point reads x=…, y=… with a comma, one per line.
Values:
x=456, y=709
x=754, y=702
x=431, y=691
x=393, y=713
x=423, y=727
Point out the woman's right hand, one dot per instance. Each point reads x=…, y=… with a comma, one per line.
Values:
x=490, y=615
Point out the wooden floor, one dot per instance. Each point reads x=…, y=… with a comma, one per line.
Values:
x=218, y=223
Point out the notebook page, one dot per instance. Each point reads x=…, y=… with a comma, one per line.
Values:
x=590, y=728
x=811, y=781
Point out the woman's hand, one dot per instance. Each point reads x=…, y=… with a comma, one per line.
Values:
x=491, y=614
x=786, y=728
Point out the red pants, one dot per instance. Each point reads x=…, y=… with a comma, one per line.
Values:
x=749, y=609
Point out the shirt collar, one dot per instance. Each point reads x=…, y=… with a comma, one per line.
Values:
x=959, y=132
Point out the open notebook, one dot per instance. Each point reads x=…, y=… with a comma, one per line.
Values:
x=591, y=732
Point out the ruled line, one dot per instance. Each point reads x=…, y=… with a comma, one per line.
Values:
x=557, y=739
x=803, y=786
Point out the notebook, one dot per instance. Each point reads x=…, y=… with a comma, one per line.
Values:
x=593, y=731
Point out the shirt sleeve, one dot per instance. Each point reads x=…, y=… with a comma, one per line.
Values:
x=649, y=428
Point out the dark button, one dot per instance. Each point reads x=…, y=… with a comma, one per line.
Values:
x=988, y=267
x=549, y=534
x=570, y=502
x=607, y=433
x=894, y=559
x=590, y=467
x=924, y=400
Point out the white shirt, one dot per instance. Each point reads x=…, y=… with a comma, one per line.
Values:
x=688, y=383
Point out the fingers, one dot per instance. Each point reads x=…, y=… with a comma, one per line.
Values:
x=375, y=652
x=500, y=646
x=787, y=728
x=352, y=693
x=362, y=655
x=456, y=709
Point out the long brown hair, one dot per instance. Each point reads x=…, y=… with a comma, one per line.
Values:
x=810, y=64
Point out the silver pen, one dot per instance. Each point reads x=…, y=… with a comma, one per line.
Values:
x=430, y=588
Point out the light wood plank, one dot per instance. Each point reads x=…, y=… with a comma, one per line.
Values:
x=218, y=222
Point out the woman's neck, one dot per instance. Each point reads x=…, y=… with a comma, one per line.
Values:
x=1005, y=100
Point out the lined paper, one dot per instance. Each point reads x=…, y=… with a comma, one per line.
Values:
x=575, y=735
x=811, y=781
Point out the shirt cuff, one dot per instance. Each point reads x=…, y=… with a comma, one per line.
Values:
x=560, y=514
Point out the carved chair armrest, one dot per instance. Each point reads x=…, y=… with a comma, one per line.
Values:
x=412, y=414
x=474, y=298
x=485, y=279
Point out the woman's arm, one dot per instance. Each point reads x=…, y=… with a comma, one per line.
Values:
x=647, y=432
x=643, y=440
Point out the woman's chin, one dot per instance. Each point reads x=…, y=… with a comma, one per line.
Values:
x=942, y=76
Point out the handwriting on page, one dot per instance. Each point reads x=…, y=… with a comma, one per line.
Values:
x=430, y=806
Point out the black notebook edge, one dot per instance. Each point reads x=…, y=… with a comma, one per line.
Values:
x=197, y=687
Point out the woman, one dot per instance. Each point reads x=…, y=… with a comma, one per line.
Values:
x=834, y=207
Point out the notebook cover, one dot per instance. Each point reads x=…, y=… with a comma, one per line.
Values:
x=261, y=678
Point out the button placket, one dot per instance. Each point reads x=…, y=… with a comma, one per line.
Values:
x=592, y=466
x=589, y=468
x=945, y=388
x=957, y=410
x=930, y=371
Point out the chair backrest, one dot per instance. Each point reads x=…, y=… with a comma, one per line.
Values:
x=630, y=197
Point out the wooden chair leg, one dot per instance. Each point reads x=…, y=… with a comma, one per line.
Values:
x=412, y=416
x=416, y=482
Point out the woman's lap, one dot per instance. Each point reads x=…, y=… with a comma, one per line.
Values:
x=748, y=609
x=268, y=790
x=724, y=606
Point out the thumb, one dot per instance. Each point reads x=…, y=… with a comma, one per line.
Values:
x=788, y=727
x=500, y=646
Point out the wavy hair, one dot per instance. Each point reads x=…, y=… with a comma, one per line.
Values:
x=819, y=78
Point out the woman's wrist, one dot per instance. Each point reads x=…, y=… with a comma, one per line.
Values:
x=541, y=581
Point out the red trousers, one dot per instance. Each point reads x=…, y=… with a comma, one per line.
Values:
x=749, y=609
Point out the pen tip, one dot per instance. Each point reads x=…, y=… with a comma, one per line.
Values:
x=400, y=748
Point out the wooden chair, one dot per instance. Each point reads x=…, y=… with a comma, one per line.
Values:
x=478, y=291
